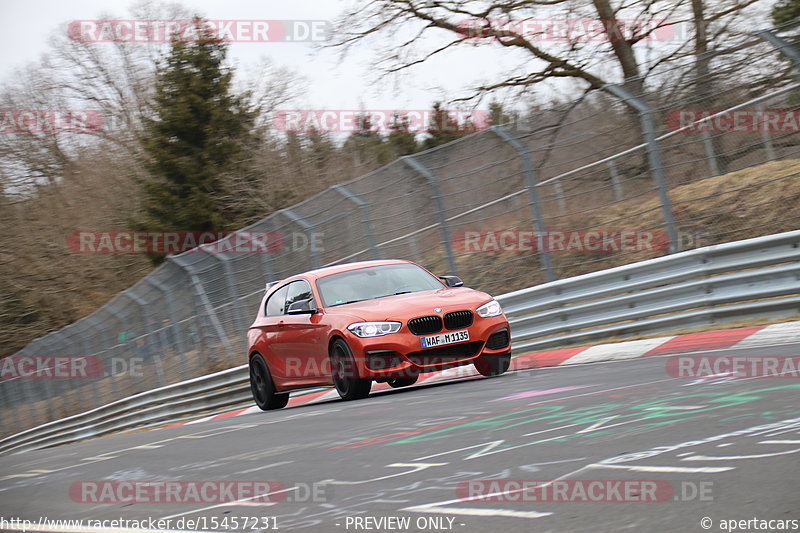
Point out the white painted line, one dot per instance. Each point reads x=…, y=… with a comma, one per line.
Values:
x=415, y=467
x=204, y=419
x=737, y=457
x=662, y=469
x=477, y=511
x=231, y=503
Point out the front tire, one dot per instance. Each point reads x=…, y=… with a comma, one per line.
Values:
x=492, y=365
x=345, y=373
x=263, y=388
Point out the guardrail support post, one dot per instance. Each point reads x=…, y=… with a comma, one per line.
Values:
x=366, y=220
x=529, y=171
x=653, y=156
x=433, y=181
x=307, y=229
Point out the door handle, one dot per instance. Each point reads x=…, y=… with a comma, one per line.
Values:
x=280, y=324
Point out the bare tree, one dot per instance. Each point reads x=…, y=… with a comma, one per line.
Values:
x=595, y=43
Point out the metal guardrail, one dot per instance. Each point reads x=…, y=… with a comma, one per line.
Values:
x=753, y=277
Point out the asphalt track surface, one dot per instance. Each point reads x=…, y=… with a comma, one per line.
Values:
x=715, y=448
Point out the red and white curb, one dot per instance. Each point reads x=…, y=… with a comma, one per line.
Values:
x=747, y=337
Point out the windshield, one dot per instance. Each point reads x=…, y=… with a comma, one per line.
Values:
x=374, y=282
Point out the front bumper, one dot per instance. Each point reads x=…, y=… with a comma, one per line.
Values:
x=401, y=354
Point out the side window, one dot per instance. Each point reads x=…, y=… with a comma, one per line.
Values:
x=298, y=291
x=277, y=302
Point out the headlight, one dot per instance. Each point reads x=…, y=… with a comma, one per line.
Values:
x=490, y=309
x=374, y=329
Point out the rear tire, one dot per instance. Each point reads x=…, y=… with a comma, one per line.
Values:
x=345, y=373
x=263, y=388
x=492, y=365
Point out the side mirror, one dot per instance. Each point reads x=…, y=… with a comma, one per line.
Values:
x=452, y=281
x=301, y=307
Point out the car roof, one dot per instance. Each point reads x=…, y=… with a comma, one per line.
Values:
x=336, y=269
x=326, y=271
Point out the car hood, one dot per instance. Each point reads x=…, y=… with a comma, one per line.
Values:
x=414, y=304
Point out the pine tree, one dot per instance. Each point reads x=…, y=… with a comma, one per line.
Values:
x=444, y=128
x=401, y=140
x=785, y=11
x=199, y=131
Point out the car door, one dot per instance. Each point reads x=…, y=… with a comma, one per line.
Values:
x=302, y=338
x=270, y=326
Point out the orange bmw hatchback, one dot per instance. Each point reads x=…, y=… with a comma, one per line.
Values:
x=384, y=321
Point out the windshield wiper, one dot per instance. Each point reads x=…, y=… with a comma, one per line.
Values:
x=393, y=294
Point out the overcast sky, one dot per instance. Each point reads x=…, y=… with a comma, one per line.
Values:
x=332, y=85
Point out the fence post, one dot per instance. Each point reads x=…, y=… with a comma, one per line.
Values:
x=111, y=343
x=653, y=156
x=147, y=320
x=433, y=181
x=307, y=227
x=13, y=400
x=68, y=332
x=110, y=307
x=766, y=138
x=51, y=388
x=710, y=154
x=616, y=184
x=205, y=303
x=366, y=220
x=88, y=353
x=562, y=202
x=529, y=171
x=266, y=264
x=790, y=51
x=783, y=46
x=233, y=293
x=173, y=317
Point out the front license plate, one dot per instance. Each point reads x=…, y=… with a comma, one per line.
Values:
x=445, y=338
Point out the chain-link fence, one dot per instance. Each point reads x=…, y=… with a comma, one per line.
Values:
x=698, y=153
